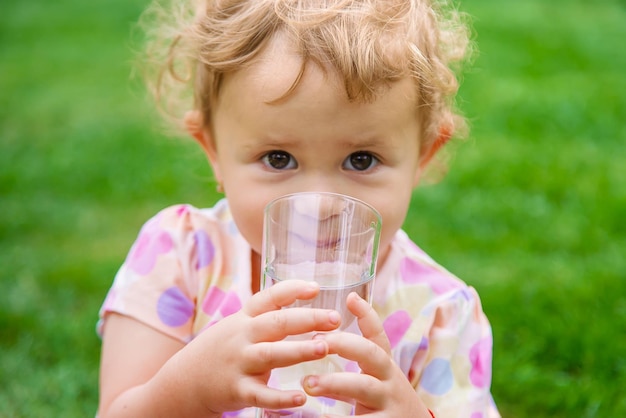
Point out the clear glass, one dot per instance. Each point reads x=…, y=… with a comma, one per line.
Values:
x=332, y=239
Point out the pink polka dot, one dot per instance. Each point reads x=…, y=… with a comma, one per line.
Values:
x=480, y=358
x=352, y=367
x=477, y=415
x=230, y=305
x=213, y=300
x=396, y=325
x=216, y=300
x=182, y=210
x=146, y=250
x=412, y=271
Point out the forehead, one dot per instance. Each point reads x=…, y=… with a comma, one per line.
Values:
x=278, y=74
x=276, y=70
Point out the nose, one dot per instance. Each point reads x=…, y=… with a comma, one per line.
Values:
x=320, y=207
x=317, y=204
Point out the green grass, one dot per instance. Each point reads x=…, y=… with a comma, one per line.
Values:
x=531, y=212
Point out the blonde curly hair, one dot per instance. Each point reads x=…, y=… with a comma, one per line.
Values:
x=369, y=43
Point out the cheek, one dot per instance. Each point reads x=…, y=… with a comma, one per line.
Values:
x=393, y=212
x=248, y=216
x=391, y=224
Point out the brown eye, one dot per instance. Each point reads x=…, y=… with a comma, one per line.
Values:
x=360, y=161
x=279, y=160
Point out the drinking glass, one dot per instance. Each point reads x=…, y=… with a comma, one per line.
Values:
x=331, y=239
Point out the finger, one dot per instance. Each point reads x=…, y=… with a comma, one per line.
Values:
x=262, y=396
x=369, y=322
x=372, y=359
x=276, y=325
x=364, y=389
x=281, y=294
x=262, y=357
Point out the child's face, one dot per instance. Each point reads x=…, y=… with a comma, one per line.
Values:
x=312, y=140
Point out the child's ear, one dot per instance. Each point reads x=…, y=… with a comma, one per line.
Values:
x=195, y=127
x=445, y=133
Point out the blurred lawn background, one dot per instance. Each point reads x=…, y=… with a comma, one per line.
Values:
x=532, y=212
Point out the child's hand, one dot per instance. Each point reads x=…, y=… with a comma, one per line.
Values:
x=231, y=361
x=381, y=389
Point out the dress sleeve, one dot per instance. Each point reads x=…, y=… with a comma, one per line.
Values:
x=452, y=370
x=155, y=285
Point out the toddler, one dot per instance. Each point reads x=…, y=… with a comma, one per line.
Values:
x=346, y=96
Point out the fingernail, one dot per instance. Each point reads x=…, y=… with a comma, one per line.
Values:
x=334, y=317
x=299, y=400
x=319, y=348
x=359, y=297
x=312, y=286
x=311, y=381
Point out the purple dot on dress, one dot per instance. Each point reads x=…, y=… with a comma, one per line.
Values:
x=205, y=249
x=423, y=343
x=477, y=415
x=174, y=308
x=406, y=354
x=437, y=378
x=327, y=401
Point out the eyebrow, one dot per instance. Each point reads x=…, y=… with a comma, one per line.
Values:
x=279, y=142
x=364, y=143
x=346, y=143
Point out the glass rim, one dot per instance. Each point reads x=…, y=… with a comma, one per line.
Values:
x=360, y=202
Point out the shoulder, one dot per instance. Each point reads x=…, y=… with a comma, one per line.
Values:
x=181, y=231
x=439, y=334
x=414, y=266
x=179, y=223
x=453, y=304
x=177, y=252
x=186, y=216
x=412, y=285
